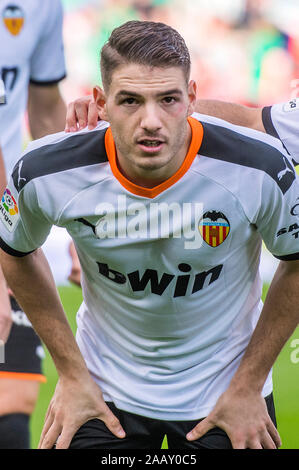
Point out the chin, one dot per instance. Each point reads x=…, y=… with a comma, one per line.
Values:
x=152, y=163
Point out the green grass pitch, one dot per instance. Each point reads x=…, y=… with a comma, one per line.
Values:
x=286, y=382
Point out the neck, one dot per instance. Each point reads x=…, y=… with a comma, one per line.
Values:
x=149, y=178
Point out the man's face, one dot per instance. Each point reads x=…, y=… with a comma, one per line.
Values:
x=147, y=108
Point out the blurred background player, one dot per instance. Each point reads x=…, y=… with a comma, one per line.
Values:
x=31, y=66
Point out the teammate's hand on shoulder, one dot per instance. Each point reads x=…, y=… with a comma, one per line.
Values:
x=74, y=403
x=244, y=418
x=81, y=113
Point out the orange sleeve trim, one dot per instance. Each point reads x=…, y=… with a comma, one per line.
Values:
x=196, y=140
x=22, y=376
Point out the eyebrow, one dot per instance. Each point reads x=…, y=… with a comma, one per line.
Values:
x=174, y=91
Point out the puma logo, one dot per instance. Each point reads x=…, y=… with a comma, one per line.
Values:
x=19, y=174
x=287, y=169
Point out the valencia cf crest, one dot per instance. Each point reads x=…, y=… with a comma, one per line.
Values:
x=13, y=18
x=214, y=228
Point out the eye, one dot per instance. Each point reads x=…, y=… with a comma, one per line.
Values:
x=129, y=101
x=169, y=100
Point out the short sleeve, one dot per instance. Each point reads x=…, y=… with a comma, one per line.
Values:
x=282, y=121
x=278, y=218
x=48, y=62
x=23, y=225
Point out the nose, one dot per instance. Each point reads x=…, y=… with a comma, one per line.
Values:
x=150, y=120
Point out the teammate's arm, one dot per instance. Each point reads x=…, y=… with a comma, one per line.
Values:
x=77, y=398
x=241, y=410
x=232, y=112
x=46, y=110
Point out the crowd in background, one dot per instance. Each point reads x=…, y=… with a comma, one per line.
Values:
x=242, y=50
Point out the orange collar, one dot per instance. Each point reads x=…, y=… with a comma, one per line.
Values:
x=196, y=140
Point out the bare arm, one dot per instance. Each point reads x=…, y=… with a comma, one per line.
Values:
x=2, y=174
x=5, y=315
x=46, y=110
x=77, y=398
x=241, y=411
x=232, y=112
x=279, y=318
x=5, y=310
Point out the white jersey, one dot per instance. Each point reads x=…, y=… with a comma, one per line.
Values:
x=170, y=275
x=31, y=51
x=282, y=121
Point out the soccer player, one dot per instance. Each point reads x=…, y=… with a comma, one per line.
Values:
x=31, y=66
x=280, y=120
x=168, y=213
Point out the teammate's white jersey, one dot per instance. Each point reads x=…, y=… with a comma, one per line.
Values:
x=31, y=51
x=171, y=281
x=282, y=121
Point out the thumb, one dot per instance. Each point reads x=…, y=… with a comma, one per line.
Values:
x=113, y=424
x=200, y=429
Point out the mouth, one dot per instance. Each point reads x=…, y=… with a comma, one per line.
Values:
x=150, y=145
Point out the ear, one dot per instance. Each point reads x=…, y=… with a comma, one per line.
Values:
x=100, y=100
x=192, y=88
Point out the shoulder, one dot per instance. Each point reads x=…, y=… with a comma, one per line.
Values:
x=59, y=152
x=247, y=148
x=53, y=8
x=286, y=110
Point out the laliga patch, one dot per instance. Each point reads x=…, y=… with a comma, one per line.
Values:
x=13, y=18
x=292, y=105
x=9, y=211
x=214, y=228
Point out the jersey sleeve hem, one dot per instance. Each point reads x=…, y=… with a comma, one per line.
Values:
x=12, y=251
x=267, y=121
x=47, y=82
x=292, y=257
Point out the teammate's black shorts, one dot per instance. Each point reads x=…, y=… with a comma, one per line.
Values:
x=23, y=351
x=148, y=433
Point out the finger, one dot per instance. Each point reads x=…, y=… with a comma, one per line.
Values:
x=112, y=423
x=254, y=445
x=71, y=120
x=267, y=442
x=81, y=111
x=274, y=434
x=51, y=436
x=65, y=438
x=237, y=443
x=48, y=412
x=200, y=429
x=49, y=419
x=93, y=115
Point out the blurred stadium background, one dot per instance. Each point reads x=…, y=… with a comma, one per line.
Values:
x=246, y=51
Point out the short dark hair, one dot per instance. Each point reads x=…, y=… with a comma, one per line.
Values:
x=145, y=43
